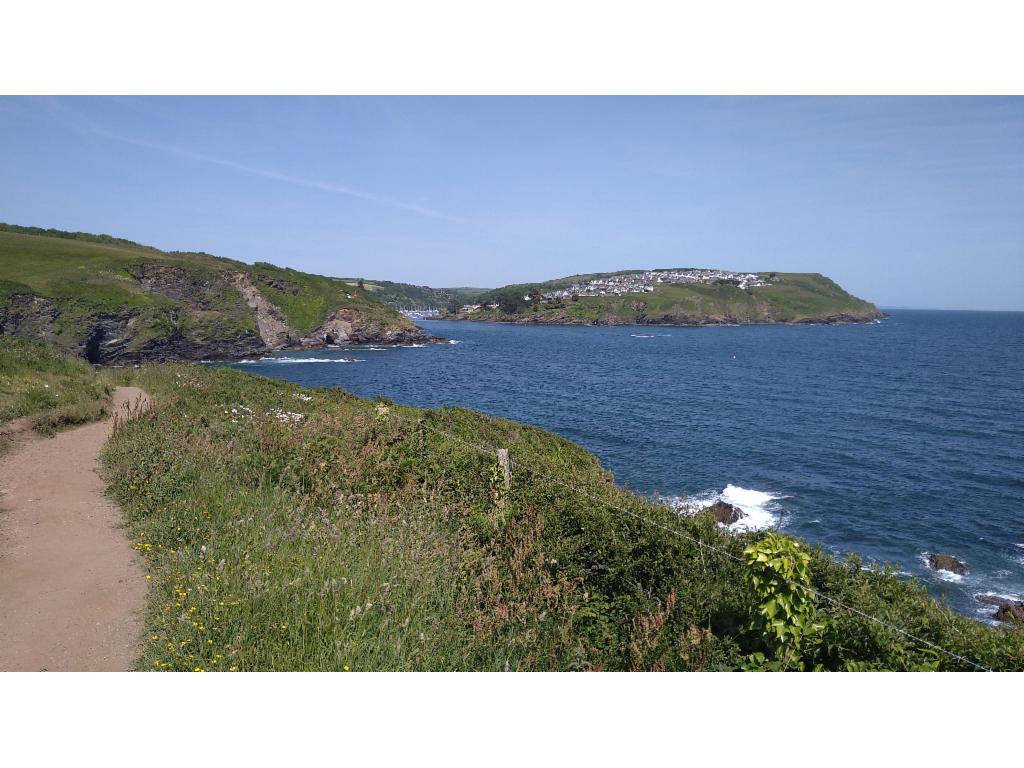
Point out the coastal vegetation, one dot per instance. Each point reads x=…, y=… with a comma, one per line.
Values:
x=47, y=387
x=408, y=296
x=112, y=300
x=308, y=529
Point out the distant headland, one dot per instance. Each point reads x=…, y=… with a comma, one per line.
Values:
x=680, y=297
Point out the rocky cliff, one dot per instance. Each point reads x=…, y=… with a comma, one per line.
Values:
x=112, y=301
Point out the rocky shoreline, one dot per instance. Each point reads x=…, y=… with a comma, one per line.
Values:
x=705, y=322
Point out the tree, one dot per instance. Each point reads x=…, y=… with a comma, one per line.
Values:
x=361, y=284
x=575, y=296
x=509, y=300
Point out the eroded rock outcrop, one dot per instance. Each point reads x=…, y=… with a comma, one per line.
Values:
x=29, y=316
x=724, y=513
x=269, y=320
x=350, y=326
x=938, y=562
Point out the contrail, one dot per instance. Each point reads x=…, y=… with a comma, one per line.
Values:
x=298, y=181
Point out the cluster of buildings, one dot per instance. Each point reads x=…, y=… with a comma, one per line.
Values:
x=645, y=282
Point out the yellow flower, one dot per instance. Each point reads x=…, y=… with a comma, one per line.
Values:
x=345, y=667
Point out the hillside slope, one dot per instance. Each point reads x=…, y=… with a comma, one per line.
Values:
x=308, y=529
x=409, y=296
x=684, y=296
x=111, y=301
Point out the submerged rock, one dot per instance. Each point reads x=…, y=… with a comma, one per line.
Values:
x=948, y=563
x=995, y=600
x=724, y=513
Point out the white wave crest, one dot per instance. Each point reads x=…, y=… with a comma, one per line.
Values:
x=294, y=360
x=761, y=509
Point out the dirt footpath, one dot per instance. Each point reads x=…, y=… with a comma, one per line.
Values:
x=71, y=586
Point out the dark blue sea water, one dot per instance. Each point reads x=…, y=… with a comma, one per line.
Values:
x=890, y=440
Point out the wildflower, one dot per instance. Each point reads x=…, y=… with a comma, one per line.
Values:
x=345, y=668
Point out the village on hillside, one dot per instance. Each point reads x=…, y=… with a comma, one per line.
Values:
x=645, y=282
x=638, y=282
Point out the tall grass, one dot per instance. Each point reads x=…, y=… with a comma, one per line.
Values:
x=54, y=390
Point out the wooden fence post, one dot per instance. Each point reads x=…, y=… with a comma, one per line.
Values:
x=503, y=461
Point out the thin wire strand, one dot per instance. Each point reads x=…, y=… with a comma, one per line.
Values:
x=703, y=545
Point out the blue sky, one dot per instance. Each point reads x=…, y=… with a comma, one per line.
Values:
x=904, y=201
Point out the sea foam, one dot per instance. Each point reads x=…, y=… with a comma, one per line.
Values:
x=761, y=509
x=294, y=360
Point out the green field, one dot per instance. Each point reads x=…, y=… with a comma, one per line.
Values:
x=302, y=529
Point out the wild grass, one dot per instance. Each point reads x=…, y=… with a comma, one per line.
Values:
x=295, y=529
x=53, y=390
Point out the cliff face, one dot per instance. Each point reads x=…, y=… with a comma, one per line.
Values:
x=122, y=303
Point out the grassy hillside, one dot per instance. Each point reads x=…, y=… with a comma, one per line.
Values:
x=790, y=298
x=298, y=529
x=53, y=390
x=111, y=299
x=405, y=295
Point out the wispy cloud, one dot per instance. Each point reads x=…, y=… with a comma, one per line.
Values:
x=298, y=181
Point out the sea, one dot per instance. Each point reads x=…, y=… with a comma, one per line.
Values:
x=891, y=440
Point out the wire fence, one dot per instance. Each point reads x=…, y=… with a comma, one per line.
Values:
x=703, y=545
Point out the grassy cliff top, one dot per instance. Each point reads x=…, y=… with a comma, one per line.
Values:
x=172, y=294
x=97, y=270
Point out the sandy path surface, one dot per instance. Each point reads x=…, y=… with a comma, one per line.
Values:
x=71, y=585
